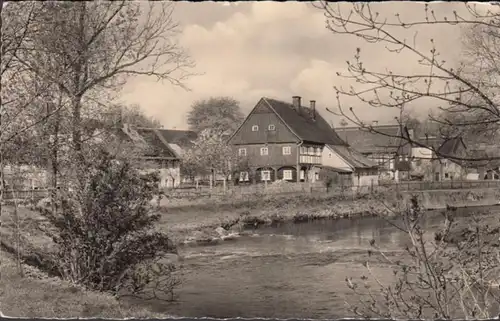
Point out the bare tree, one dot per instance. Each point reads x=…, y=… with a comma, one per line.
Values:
x=89, y=49
x=132, y=115
x=439, y=277
x=465, y=88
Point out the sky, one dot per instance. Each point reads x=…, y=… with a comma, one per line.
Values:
x=247, y=50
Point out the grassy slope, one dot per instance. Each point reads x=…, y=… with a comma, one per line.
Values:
x=36, y=295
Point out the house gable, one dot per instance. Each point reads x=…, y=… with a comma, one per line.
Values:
x=330, y=158
x=263, y=115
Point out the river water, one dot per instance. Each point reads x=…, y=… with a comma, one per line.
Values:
x=285, y=271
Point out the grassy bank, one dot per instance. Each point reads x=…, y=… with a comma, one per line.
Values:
x=37, y=295
x=213, y=222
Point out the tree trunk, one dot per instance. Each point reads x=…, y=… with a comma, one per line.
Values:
x=76, y=101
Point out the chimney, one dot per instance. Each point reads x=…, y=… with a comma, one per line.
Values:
x=313, y=109
x=296, y=103
x=375, y=123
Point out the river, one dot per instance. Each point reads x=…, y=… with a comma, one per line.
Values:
x=285, y=271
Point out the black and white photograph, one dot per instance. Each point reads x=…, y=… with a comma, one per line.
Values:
x=250, y=159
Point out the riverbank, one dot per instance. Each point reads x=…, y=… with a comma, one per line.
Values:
x=35, y=295
x=210, y=224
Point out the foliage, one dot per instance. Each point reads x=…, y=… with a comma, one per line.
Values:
x=210, y=151
x=329, y=178
x=132, y=115
x=88, y=50
x=104, y=231
x=221, y=113
x=447, y=274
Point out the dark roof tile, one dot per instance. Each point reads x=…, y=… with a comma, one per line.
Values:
x=386, y=139
x=183, y=138
x=308, y=129
x=157, y=147
x=354, y=158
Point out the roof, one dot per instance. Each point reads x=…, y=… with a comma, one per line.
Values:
x=157, y=146
x=443, y=146
x=386, y=139
x=354, y=158
x=303, y=125
x=451, y=146
x=177, y=149
x=335, y=169
x=430, y=141
x=182, y=138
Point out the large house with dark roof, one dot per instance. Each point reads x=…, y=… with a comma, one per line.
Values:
x=288, y=141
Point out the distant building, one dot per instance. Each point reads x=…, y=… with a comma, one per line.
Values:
x=440, y=159
x=166, y=147
x=384, y=144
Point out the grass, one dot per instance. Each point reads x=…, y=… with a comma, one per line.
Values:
x=36, y=295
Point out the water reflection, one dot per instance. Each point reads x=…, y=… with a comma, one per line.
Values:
x=344, y=233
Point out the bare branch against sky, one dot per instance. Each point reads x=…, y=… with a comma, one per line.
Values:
x=239, y=48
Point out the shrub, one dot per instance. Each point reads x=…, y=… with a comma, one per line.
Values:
x=104, y=233
x=451, y=273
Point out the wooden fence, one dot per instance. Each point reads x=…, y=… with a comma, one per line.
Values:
x=442, y=185
x=313, y=188
x=283, y=189
x=25, y=194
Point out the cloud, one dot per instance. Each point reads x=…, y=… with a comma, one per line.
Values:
x=277, y=49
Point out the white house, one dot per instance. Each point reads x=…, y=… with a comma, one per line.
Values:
x=358, y=169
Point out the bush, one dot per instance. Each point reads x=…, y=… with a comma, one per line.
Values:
x=104, y=231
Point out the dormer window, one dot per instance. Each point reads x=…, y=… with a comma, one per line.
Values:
x=271, y=127
x=255, y=128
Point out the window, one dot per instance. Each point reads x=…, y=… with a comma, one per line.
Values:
x=271, y=127
x=446, y=175
x=302, y=174
x=311, y=151
x=242, y=152
x=255, y=128
x=303, y=150
x=244, y=177
x=318, y=151
x=264, y=151
x=287, y=150
x=265, y=175
x=330, y=155
x=287, y=174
